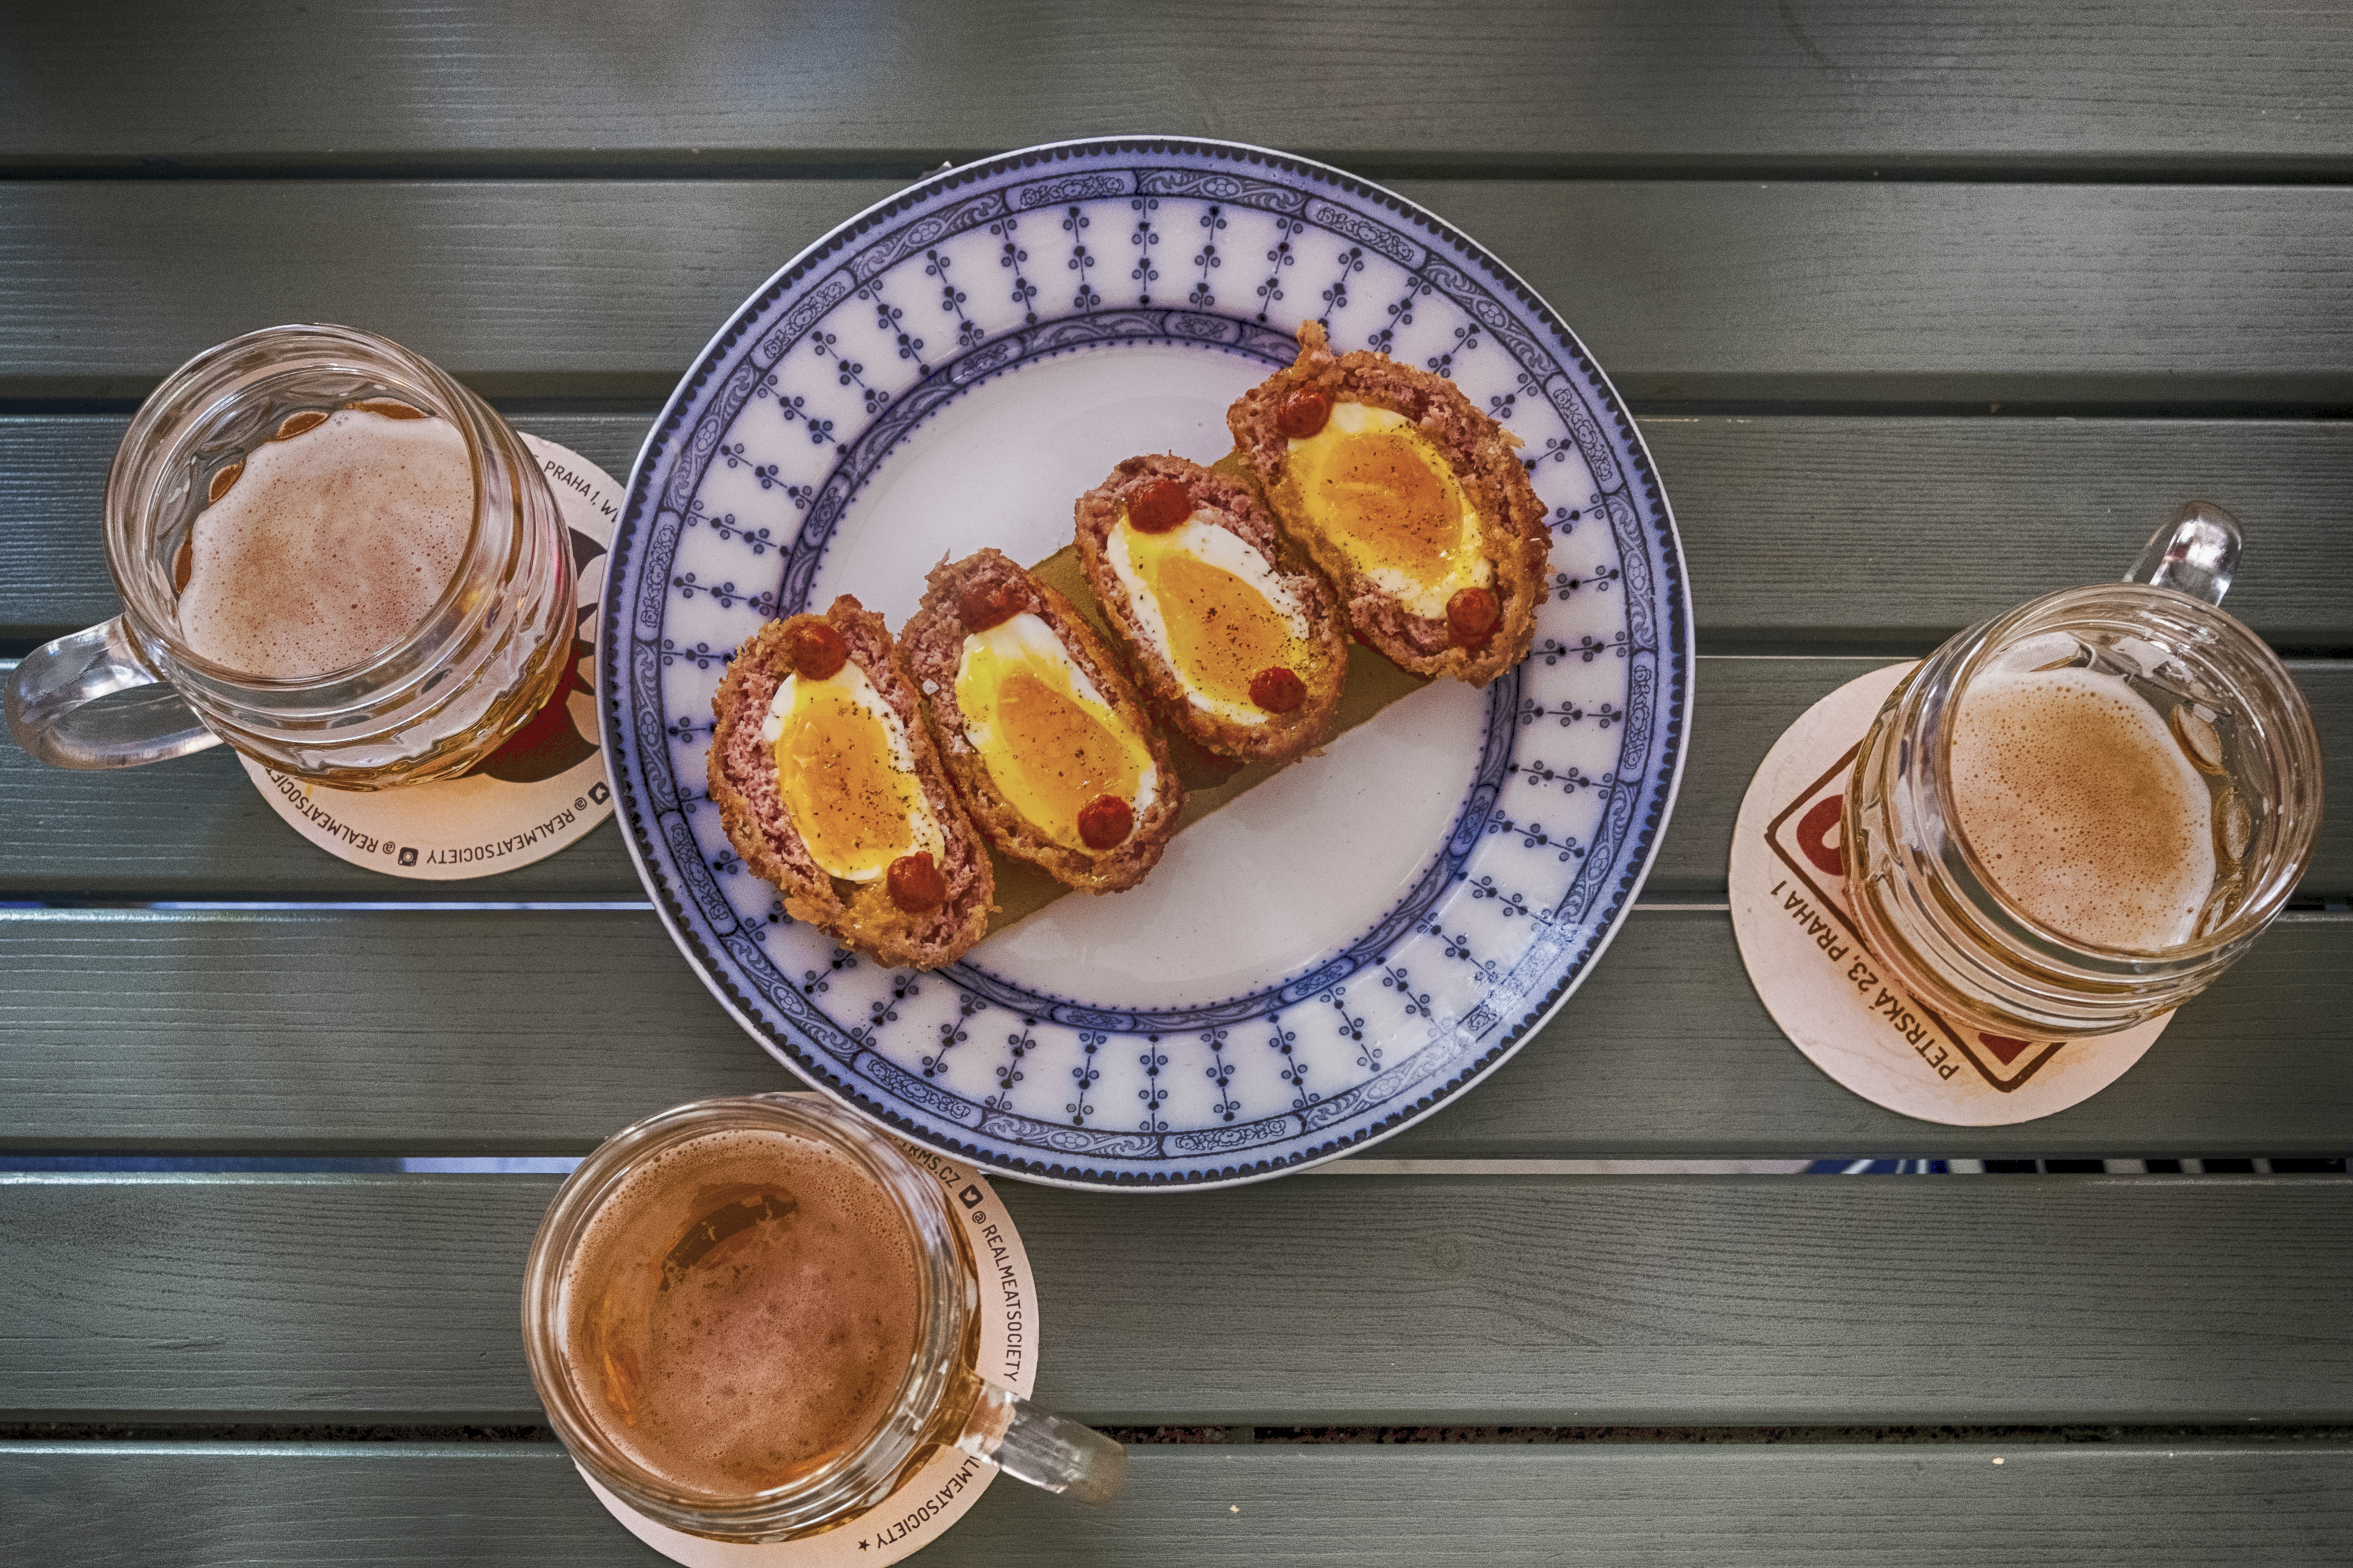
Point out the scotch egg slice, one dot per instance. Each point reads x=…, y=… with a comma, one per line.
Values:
x=1213, y=607
x=1050, y=741
x=847, y=776
x=1375, y=490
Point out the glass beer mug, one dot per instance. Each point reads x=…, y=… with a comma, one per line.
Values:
x=2073, y=817
x=480, y=661
x=751, y=1319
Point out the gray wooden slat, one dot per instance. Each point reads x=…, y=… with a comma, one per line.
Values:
x=1856, y=291
x=1810, y=1506
x=415, y=1033
x=1802, y=531
x=545, y=288
x=1896, y=532
x=198, y=829
x=2162, y=84
x=1332, y=1299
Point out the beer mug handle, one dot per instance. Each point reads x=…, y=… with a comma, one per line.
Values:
x=2195, y=553
x=51, y=687
x=1049, y=1451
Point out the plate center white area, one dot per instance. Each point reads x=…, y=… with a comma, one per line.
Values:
x=1005, y=463
x=1293, y=871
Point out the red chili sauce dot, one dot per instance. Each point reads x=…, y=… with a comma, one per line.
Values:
x=988, y=605
x=1106, y=822
x=1278, y=691
x=1157, y=507
x=1470, y=616
x=817, y=650
x=1302, y=412
x=915, y=883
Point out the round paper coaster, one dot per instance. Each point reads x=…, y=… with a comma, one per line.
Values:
x=1798, y=937
x=542, y=790
x=944, y=1487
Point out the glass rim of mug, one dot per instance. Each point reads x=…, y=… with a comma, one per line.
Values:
x=864, y=1472
x=2293, y=824
x=201, y=376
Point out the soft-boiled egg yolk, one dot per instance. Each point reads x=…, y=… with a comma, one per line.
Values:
x=1380, y=492
x=847, y=775
x=1213, y=606
x=1050, y=742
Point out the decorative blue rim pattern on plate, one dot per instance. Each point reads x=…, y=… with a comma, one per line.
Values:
x=963, y=283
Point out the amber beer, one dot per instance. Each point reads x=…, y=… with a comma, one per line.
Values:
x=743, y=1311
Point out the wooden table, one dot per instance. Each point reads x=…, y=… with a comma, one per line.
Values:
x=1922, y=314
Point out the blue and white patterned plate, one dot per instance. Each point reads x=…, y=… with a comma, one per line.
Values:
x=1341, y=950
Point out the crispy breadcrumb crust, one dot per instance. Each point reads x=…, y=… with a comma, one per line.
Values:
x=742, y=774
x=1512, y=519
x=934, y=641
x=1232, y=507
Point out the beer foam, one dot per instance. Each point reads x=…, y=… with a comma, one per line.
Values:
x=743, y=1311
x=2082, y=807
x=330, y=547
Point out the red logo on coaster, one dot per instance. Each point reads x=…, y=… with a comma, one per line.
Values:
x=2005, y=1047
x=1814, y=831
x=1804, y=836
